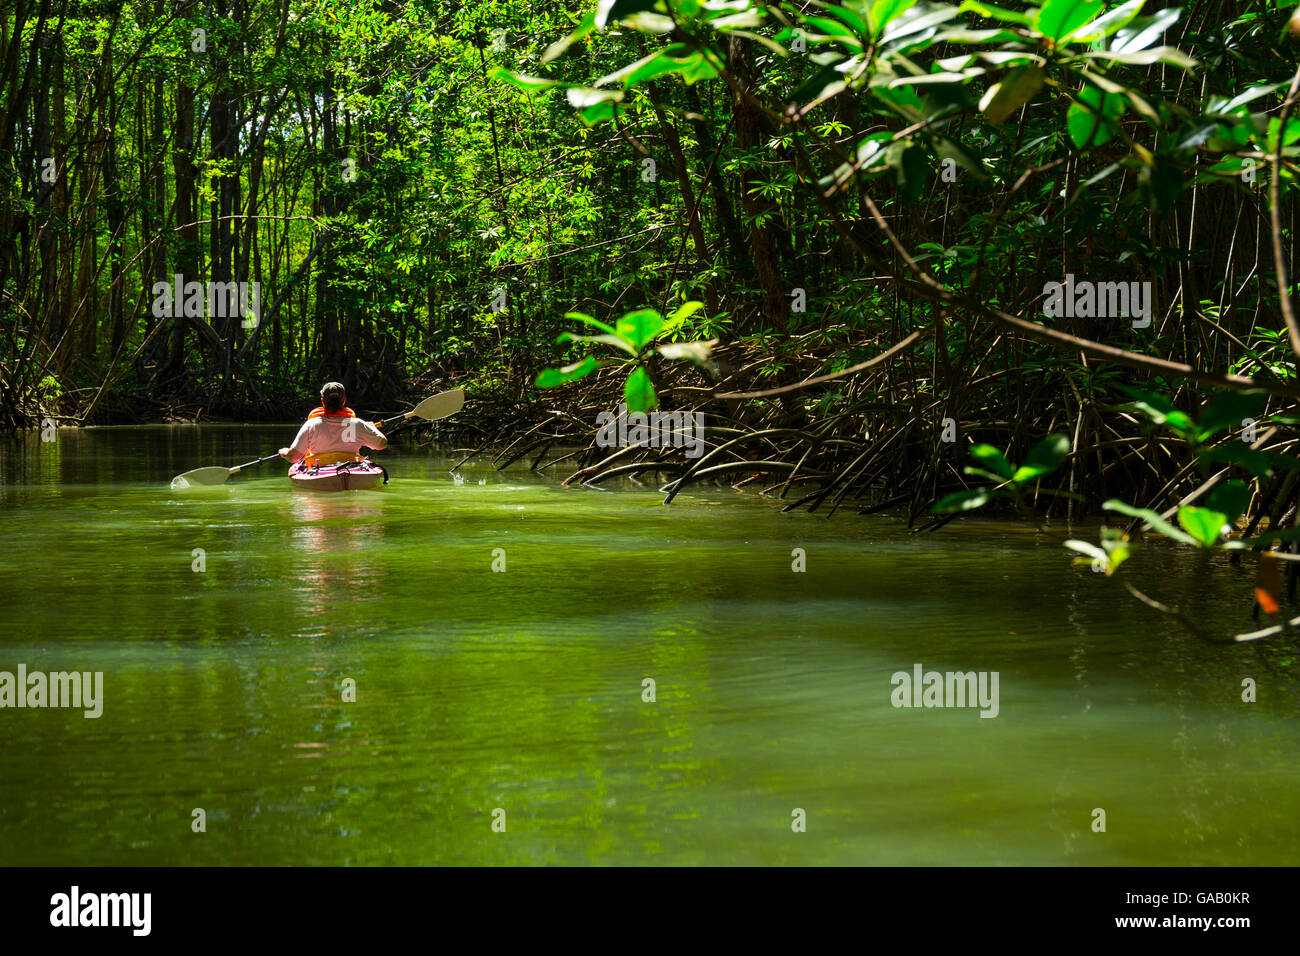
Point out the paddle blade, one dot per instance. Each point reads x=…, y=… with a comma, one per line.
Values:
x=440, y=405
x=213, y=475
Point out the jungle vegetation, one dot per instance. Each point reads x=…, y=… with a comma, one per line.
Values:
x=886, y=248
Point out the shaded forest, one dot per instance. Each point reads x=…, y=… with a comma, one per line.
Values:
x=866, y=236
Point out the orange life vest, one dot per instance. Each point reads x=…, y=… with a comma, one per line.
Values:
x=329, y=457
x=320, y=412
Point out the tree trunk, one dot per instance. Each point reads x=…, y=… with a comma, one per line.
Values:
x=761, y=212
x=183, y=215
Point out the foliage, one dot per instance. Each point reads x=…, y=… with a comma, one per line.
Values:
x=633, y=334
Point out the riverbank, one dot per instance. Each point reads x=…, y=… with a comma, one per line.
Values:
x=827, y=421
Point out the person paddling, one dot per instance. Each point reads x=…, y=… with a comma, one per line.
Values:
x=332, y=432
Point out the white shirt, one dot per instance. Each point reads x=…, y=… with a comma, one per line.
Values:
x=335, y=434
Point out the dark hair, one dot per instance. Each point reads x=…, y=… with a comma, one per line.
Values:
x=333, y=397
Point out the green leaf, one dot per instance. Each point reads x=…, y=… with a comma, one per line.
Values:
x=851, y=19
x=648, y=67
x=903, y=100
x=1019, y=87
x=873, y=145
x=746, y=18
x=595, y=323
x=1159, y=410
x=1141, y=33
x=1139, y=103
x=584, y=96
x=918, y=25
x=598, y=113
x=768, y=42
x=883, y=12
x=1109, y=22
x=1108, y=558
x=1203, y=524
x=1151, y=518
x=1117, y=555
x=1160, y=54
x=1044, y=458
x=911, y=167
x=947, y=148
x=1057, y=19
x=1091, y=118
x=993, y=459
x=990, y=12
x=825, y=82
x=943, y=80
x=962, y=35
x=530, y=84
x=1230, y=498
x=639, y=327
x=552, y=377
x=611, y=11
x=557, y=48
x=701, y=66
x=650, y=23
x=684, y=311
x=1275, y=127
x=1229, y=408
x=963, y=501
x=832, y=28
x=613, y=340
x=1217, y=104
x=639, y=392
x=984, y=473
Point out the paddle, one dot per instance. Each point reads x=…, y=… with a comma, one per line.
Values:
x=213, y=475
x=432, y=408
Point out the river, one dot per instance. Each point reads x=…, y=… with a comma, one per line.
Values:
x=502, y=716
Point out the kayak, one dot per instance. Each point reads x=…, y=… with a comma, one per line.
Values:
x=342, y=476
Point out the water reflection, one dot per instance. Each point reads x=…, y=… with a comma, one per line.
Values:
x=337, y=541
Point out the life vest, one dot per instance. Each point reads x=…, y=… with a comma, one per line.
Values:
x=330, y=457
x=319, y=412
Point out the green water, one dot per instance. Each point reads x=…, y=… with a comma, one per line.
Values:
x=522, y=691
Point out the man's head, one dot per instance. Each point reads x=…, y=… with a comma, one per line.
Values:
x=333, y=397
